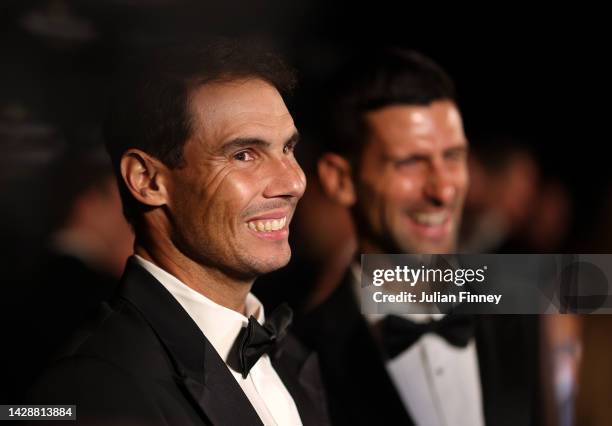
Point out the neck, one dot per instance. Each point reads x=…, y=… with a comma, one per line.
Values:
x=208, y=281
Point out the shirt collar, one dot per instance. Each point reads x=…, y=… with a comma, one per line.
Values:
x=219, y=324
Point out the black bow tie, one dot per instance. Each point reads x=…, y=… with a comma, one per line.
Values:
x=255, y=339
x=398, y=333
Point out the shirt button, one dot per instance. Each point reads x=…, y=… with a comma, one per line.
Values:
x=439, y=371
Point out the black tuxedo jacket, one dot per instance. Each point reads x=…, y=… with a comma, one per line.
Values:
x=360, y=391
x=145, y=362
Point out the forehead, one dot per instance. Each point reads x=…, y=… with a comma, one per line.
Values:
x=239, y=108
x=437, y=125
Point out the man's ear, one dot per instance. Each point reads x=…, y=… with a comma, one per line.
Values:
x=145, y=177
x=335, y=175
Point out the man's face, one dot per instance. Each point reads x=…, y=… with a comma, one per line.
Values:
x=232, y=203
x=412, y=178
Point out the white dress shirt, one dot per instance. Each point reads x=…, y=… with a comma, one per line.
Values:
x=262, y=386
x=438, y=383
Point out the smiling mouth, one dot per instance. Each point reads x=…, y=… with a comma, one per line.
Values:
x=430, y=219
x=268, y=225
x=432, y=225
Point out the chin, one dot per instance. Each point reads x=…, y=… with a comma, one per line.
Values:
x=440, y=249
x=272, y=263
x=426, y=247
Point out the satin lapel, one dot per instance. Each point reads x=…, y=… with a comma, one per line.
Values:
x=508, y=362
x=220, y=398
x=201, y=372
x=358, y=385
x=299, y=371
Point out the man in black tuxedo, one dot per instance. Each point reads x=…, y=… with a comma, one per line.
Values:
x=397, y=158
x=202, y=144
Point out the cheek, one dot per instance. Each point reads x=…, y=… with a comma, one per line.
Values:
x=405, y=185
x=403, y=188
x=232, y=197
x=391, y=195
x=462, y=181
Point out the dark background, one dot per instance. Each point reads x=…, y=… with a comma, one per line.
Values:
x=535, y=75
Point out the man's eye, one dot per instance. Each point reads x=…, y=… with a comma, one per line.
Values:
x=456, y=155
x=244, y=156
x=288, y=148
x=407, y=162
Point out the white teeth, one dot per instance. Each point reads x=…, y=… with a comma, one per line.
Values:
x=267, y=225
x=431, y=219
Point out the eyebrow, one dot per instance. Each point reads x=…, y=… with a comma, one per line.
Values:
x=294, y=139
x=421, y=155
x=238, y=143
x=457, y=148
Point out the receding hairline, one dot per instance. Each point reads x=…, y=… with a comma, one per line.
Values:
x=232, y=82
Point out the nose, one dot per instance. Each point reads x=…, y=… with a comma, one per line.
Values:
x=286, y=179
x=439, y=187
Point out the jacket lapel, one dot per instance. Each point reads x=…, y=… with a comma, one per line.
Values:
x=508, y=361
x=299, y=370
x=508, y=357
x=201, y=373
x=219, y=396
x=358, y=385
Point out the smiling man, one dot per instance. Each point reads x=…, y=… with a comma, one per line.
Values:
x=202, y=144
x=397, y=158
x=412, y=178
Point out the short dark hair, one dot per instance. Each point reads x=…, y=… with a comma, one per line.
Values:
x=374, y=80
x=150, y=109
